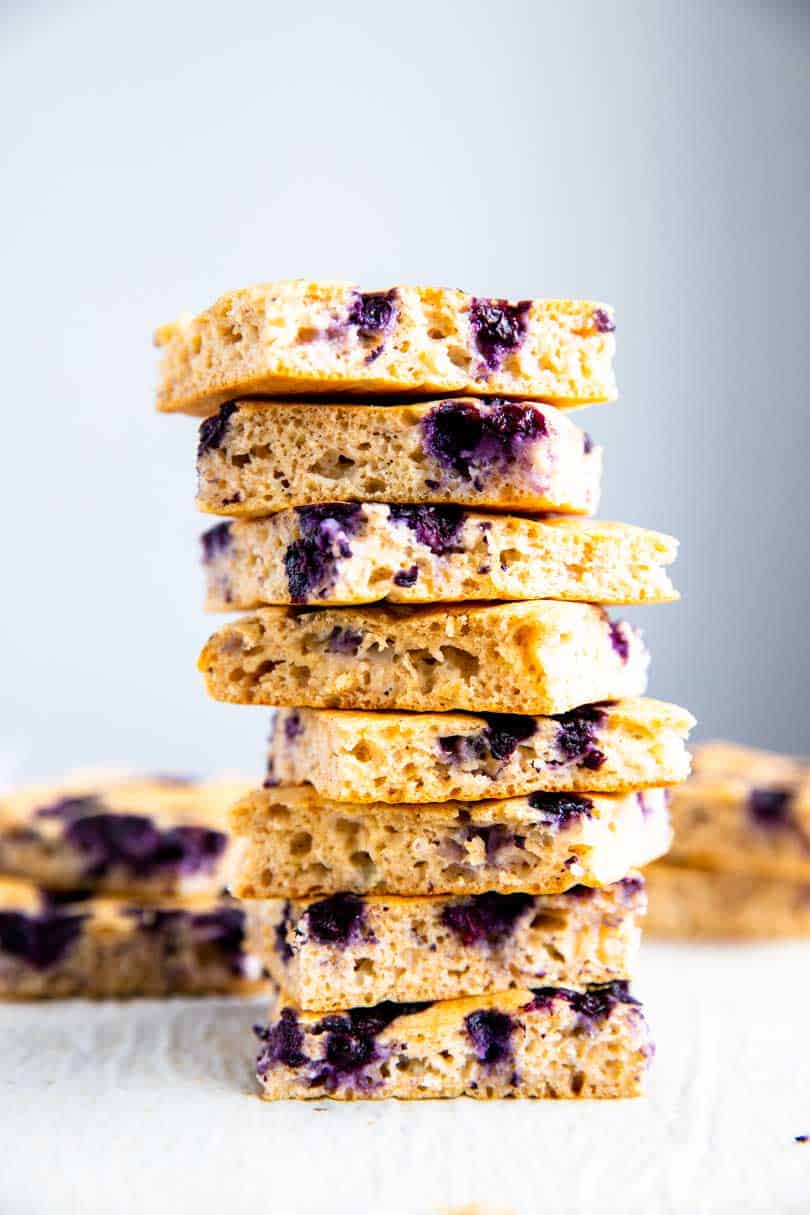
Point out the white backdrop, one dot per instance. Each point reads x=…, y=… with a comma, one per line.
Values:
x=650, y=153
x=155, y=155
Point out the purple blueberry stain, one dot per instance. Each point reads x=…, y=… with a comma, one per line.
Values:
x=351, y=1044
x=281, y=945
x=495, y=837
x=133, y=842
x=560, y=809
x=580, y=893
x=603, y=320
x=282, y=1043
x=408, y=577
x=337, y=920
x=437, y=527
x=499, y=740
x=490, y=1033
x=222, y=929
x=310, y=562
x=373, y=313
x=344, y=641
x=576, y=736
x=771, y=807
x=498, y=328
x=40, y=941
x=592, y=1006
x=620, y=638
x=215, y=541
x=645, y=806
x=293, y=726
x=214, y=429
x=489, y=917
x=472, y=437
x=587, y=443
x=630, y=889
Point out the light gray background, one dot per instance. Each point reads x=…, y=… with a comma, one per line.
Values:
x=654, y=155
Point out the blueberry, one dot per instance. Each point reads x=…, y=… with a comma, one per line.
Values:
x=373, y=313
x=406, y=577
x=495, y=837
x=603, y=321
x=133, y=841
x=468, y=435
x=216, y=540
x=619, y=639
x=561, y=808
x=771, y=807
x=292, y=726
x=222, y=929
x=593, y=1006
x=437, y=527
x=280, y=943
x=587, y=443
x=214, y=429
x=498, y=328
x=500, y=738
x=576, y=736
x=69, y=809
x=344, y=641
x=39, y=940
x=491, y=1035
x=336, y=920
x=505, y=730
x=630, y=888
x=485, y=917
x=351, y=1041
x=311, y=561
x=283, y=1043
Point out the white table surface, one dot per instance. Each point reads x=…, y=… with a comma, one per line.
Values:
x=149, y=1107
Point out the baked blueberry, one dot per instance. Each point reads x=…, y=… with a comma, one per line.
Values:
x=437, y=527
x=214, y=429
x=561, y=808
x=336, y=920
x=490, y=1032
x=498, y=328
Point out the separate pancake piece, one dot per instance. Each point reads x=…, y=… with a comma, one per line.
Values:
x=744, y=811
x=349, y=949
x=432, y=757
x=539, y=657
x=328, y=337
x=706, y=905
x=138, y=837
x=293, y=844
x=364, y=553
x=106, y=948
x=538, y=1042
x=254, y=458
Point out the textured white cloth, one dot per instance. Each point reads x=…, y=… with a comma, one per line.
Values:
x=128, y=1108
